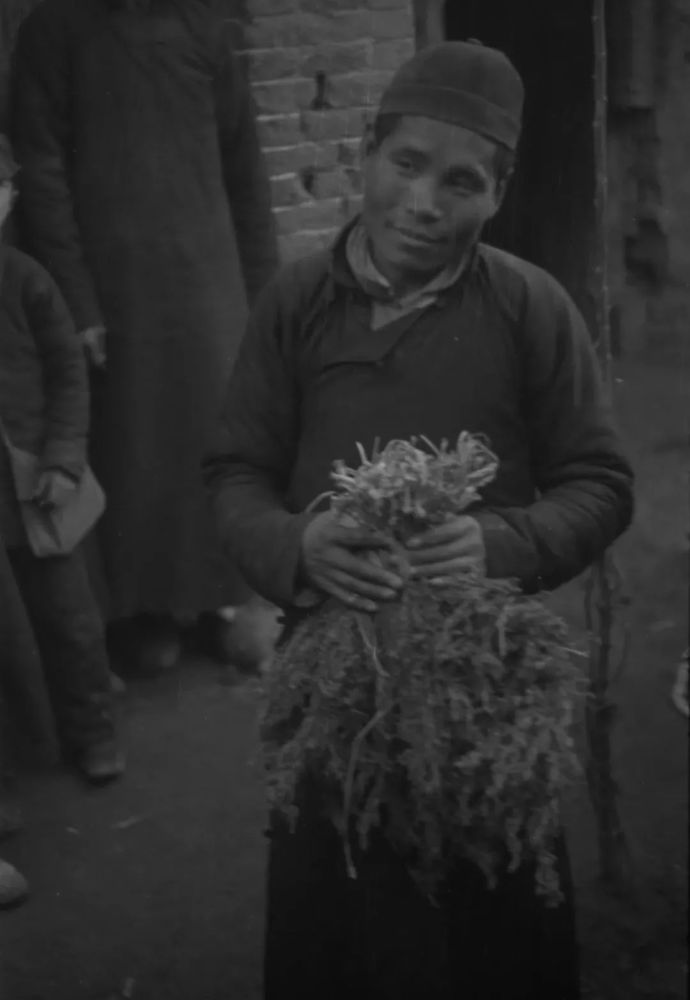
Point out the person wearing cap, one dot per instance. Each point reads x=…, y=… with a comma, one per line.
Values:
x=44, y=410
x=145, y=194
x=408, y=326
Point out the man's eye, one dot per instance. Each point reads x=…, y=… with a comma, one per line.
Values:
x=404, y=165
x=465, y=185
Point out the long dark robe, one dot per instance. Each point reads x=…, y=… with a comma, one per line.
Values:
x=144, y=193
x=378, y=938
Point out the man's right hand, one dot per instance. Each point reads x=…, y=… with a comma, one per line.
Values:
x=336, y=559
x=93, y=339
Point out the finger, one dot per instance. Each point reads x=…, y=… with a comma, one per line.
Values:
x=365, y=571
x=440, y=534
x=349, y=598
x=448, y=568
x=438, y=554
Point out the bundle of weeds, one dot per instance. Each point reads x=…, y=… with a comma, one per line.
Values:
x=443, y=720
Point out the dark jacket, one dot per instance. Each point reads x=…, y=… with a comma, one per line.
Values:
x=503, y=353
x=44, y=390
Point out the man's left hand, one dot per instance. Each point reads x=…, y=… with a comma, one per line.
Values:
x=54, y=489
x=447, y=551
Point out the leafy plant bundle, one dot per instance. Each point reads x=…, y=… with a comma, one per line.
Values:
x=443, y=720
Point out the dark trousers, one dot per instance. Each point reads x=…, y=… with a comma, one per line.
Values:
x=378, y=938
x=70, y=635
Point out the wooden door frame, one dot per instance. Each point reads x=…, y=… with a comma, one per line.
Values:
x=429, y=21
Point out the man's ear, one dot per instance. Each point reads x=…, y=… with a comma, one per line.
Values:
x=501, y=188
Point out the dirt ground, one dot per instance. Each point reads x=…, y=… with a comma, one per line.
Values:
x=152, y=889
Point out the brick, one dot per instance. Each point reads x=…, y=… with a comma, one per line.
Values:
x=392, y=54
x=356, y=89
x=349, y=152
x=345, y=123
x=312, y=215
x=287, y=190
x=303, y=244
x=280, y=130
x=282, y=160
x=288, y=31
x=335, y=58
x=384, y=24
x=283, y=97
x=338, y=183
x=273, y=64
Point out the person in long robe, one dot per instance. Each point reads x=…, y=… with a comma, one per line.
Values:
x=145, y=195
x=411, y=326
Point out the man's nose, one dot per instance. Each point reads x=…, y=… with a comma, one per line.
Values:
x=422, y=200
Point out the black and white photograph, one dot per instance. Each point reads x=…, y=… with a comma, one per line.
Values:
x=344, y=511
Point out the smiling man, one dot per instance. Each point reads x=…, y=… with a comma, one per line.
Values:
x=411, y=326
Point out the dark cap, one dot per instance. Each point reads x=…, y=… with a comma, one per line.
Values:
x=463, y=83
x=8, y=164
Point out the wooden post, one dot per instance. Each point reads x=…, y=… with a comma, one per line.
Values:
x=429, y=22
x=605, y=594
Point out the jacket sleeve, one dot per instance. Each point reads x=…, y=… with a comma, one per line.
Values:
x=43, y=136
x=245, y=174
x=65, y=376
x=584, y=481
x=249, y=463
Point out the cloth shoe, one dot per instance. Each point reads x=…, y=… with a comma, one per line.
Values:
x=13, y=886
x=101, y=762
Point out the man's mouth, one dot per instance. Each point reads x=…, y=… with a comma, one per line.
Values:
x=421, y=239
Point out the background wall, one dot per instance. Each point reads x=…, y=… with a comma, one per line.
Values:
x=318, y=69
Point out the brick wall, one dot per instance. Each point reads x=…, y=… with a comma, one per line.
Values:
x=318, y=68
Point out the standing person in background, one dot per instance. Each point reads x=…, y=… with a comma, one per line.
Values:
x=44, y=411
x=144, y=194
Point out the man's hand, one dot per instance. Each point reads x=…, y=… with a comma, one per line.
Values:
x=448, y=550
x=93, y=340
x=344, y=562
x=54, y=489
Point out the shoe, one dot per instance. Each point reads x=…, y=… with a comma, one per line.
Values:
x=13, y=886
x=101, y=762
x=11, y=821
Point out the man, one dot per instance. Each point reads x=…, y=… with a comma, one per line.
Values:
x=144, y=193
x=410, y=326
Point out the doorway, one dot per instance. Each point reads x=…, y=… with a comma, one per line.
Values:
x=548, y=216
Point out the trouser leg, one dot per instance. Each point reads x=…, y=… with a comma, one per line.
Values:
x=70, y=634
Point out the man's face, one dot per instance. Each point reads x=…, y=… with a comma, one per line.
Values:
x=429, y=188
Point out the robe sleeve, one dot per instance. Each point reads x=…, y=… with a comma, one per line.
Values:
x=65, y=376
x=249, y=464
x=584, y=481
x=42, y=133
x=245, y=174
